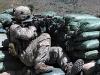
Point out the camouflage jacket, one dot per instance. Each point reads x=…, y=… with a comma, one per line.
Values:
x=27, y=46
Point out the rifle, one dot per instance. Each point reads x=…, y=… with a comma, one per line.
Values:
x=42, y=22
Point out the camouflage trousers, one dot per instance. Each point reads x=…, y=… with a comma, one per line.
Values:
x=54, y=55
x=40, y=52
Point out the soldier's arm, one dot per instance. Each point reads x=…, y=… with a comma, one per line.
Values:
x=24, y=33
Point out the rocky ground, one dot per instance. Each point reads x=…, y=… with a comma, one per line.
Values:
x=60, y=6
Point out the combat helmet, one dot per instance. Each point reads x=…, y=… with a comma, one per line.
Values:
x=22, y=12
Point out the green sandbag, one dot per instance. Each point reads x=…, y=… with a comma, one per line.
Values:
x=58, y=19
x=93, y=54
x=9, y=11
x=0, y=25
x=31, y=16
x=87, y=45
x=85, y=25
x=70, y=32
x=3, y=40
x=5, y=19
x=5, y=55
x=64, y=36
x=74, y=25
x=2, y=30
x=49, y=13
x=56, y=71
x=89, y=25
x=76, y=17
x=11, y=65
x=88, y=36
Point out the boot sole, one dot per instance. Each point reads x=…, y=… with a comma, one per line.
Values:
x=77, y=66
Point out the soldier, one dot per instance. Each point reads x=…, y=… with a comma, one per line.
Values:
x=35, y=50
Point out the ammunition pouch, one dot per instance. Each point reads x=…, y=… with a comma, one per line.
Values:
x=12, y=49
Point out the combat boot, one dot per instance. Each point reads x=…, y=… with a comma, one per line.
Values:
x=75, y=68
x=44, y=68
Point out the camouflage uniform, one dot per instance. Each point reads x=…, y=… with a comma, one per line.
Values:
x=34, y=52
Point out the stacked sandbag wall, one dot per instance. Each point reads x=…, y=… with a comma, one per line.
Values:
x=82, y=33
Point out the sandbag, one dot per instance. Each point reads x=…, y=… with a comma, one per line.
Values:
x=4, y=42
x=93, y=54
x=73, y=25
x=89, y=25
x=9, y=11
x=85, y=25
x=87, y=45
x=58, y=19
x=87, y=36
x=76, y=17
x=5, y=18
x=56, y=71
x=5, y=55
x=64, y=36
x=0, y=25
x=1, y=29
x=11, y=65
x=70, y=32
x=31, y=16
